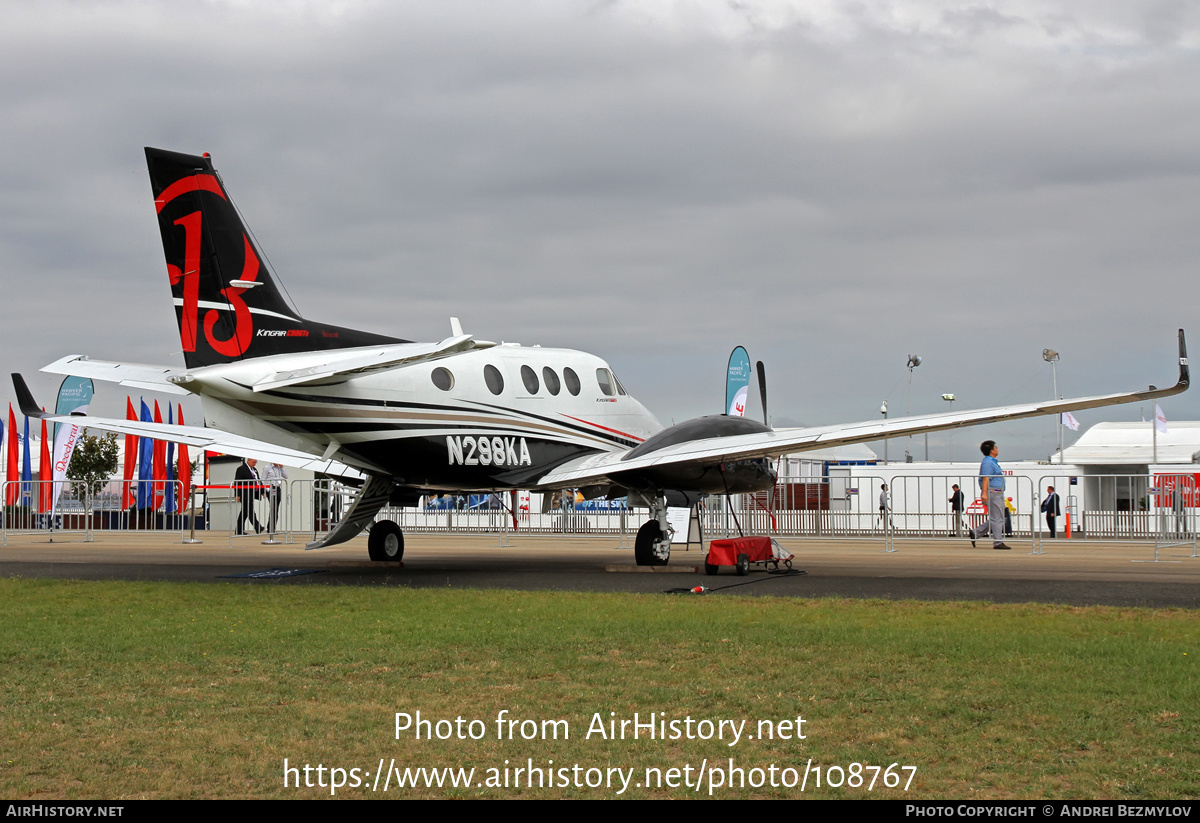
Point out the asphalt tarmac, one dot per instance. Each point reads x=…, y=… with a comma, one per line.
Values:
x=1068, y=572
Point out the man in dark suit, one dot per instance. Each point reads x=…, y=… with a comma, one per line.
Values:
x=1051, y=509
x=956, y=508
x=245, y=484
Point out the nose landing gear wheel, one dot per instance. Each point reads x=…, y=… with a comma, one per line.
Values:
x=386, y=542
x=650, y=547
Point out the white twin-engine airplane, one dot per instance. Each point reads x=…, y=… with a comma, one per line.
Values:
x=405, y=418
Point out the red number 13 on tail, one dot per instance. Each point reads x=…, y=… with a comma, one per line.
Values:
x=243, y=323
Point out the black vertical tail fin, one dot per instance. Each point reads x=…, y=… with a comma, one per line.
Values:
x=226, y=302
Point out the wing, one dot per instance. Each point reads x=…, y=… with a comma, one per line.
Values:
x=213, y=440
x=708, y=451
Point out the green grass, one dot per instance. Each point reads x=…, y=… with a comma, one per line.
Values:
x=125, y=690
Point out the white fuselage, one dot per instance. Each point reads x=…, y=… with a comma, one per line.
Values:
x=488, y=418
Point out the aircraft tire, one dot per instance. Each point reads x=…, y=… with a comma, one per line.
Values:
x=386, y=542
x=643, y=545
x=743, y=565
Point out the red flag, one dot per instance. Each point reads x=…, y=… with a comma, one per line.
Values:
x=131, y=451
x=160, y=462
x=14, y=471
x=45, y=474
x=185, y=469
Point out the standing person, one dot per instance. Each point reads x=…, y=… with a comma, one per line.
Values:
x=1052, y=510
x=956, y=507
x=276, y=475
x=245, y=485
x=991, y=490
x=885, y=517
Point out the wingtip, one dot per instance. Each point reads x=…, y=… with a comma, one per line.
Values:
x=29, y=406
x=1184, y=371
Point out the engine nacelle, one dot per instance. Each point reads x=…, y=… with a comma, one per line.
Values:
x=714, y=478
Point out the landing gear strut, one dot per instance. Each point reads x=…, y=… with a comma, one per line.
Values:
x=386, y=542
x=652, y=547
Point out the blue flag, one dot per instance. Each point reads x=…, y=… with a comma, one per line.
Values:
x=145, y=484
x=170, y=495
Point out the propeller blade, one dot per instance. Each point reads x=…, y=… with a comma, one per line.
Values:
x=762, y=390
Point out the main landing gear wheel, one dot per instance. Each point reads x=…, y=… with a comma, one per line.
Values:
x=650, y=547
x=386, y=542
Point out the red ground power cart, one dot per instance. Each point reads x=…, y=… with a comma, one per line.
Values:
x=740, y=552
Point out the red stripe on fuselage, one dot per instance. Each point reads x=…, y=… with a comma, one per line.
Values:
x=606, y=428
x=197, y=182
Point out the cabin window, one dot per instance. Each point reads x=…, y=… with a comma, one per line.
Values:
x=529, y=378
x=604, y=378
x=493, y=378
x=572, y=380
x=550, y=378
x=443, y=379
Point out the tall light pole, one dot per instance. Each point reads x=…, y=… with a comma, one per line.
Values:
x=914, y=360
x=1051, y=357
x=949, y=398
x=883, y=411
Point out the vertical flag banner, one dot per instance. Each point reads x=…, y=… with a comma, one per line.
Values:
x=737, y=383
x=131, y=444
x=26, y=471
x=159, y=465
x=145, y=464
x=74, y=397
x=185, y=464
x=12, y=467
x=169, y=496
x=45, y=493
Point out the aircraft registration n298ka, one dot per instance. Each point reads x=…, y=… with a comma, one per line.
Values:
x=405, y=418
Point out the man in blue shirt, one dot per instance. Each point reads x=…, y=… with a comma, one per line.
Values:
x=991, y=490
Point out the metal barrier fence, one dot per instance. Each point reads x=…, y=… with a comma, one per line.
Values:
x=99, y=512
x=26, y=515
x=1163, y=508
x=839, y=507
x=923, y=507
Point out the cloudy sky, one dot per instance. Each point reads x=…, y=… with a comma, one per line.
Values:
x=833, y=186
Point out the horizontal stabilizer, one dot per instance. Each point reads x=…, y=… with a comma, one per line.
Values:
x=346, y=364
x=140, y=376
